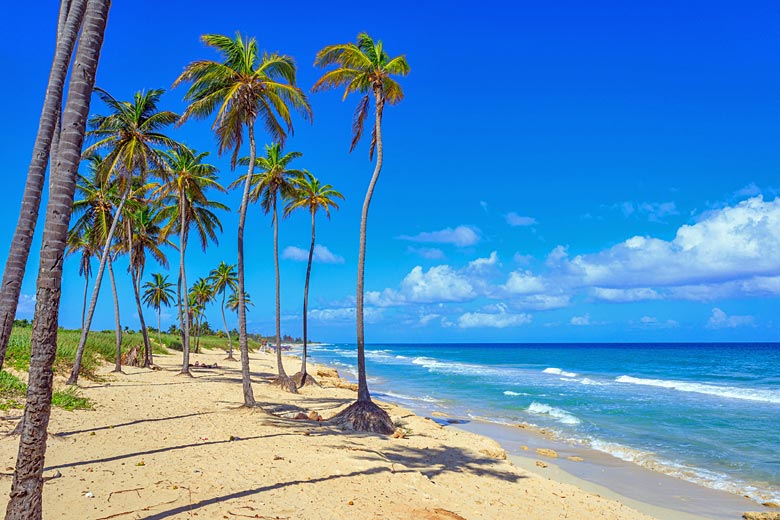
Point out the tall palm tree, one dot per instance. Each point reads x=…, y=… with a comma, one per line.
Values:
x=203, y=293
x=158, y=293
x=275, y=180
x=143, y=233
x=131, y=134
x=70, y=19
x=366, y=68
x=186, y=180
x=83, y=244
x=117, y=322
x=223, y=278
x=25, y=499
x=243, y=88
x=311, y=195
x=232, y=301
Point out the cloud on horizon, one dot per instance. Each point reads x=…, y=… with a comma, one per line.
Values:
x=321, y=255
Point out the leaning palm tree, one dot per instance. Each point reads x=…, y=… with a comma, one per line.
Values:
x=131, y=134
x=84, y=245
x=25, y=500
x=310, y=195
x=203, y=293
x=365, y=68
x=275, y=180
x=243, y=88
x=186, y=180
x=158, y=293
x=223, y=278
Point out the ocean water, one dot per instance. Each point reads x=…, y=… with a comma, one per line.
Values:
x=706, y=413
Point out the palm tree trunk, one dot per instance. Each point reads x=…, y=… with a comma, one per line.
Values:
x=84, y=303
x=246, y=381
x=184, y=309
x=283, y=380
x=135, y=276
x=159, y=332
x=74, y=374
x=306, y=304
x=118, y=324
x=70, y=20
x=224, y=321
x=25, y=499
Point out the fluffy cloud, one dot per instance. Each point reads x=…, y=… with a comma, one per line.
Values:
x=624, y=295
x=321, y=255
x=580, y=321
x=515, y=220
x=461, y=236
x=439, y=284
x=499, y=320
x=721, y=320
x=524, y=282
x=481, y=264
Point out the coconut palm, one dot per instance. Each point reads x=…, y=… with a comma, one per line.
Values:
x=311, y=195
x=131, y=135
x=70, y=17
x=203, y=293
x=26, y=494
x=223, y=278
x=366, y=68
x=83, y=244
x=243, y=88
x=157, y=293
x=232, y=301
x=275, y=180
x=186, y=180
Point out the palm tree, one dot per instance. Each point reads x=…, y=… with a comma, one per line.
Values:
x=130, y=133
x=158, y=293
x=232, y=301
x=70, y=18
x=309, y=194
x=203, y=293
x=223, y=278
x=25, y=499
x=186, y=179
x=365, y=68
x=275, y=180
x=83, y=244
x=143, y=234
x=244, y=87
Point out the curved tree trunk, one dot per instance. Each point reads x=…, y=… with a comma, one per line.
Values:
x=159, y=332
x=303, y=378
x=25, y=500
x=70, y=19
x=184, y=307
x=74, y=374
x=224, y=322
x=364, y=415
x=283, y=380
x=118, y=324
x=135, y=276
x=84, y=303
x=246, y=380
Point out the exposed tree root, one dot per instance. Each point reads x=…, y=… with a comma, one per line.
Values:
x=230, y=358
x=364, y=416
x=117, y=371
x=305, y=380
x=186, y=373
x=286, y=383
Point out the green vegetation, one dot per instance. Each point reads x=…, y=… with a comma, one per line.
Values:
x=13, y=391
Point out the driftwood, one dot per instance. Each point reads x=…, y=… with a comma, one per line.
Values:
x=132, y=358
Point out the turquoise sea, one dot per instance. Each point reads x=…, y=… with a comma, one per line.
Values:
x=706, y=413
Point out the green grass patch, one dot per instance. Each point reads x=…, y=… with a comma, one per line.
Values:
x=13, y=392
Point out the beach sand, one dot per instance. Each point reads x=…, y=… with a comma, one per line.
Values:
x=158, y=445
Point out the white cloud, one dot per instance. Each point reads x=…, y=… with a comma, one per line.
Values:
x=524, y=282
x=648, y=319
x=439, y=284
x=321, y=255
x=721, y=320
x=499, y=320
x=461, y=236
x=580, y=320
x=430, y=253
x=345, y=314
x=522, y=259
x=515, y=220
x=634, y=294
x=482, y=263
x=653, y=211
x=542, y=302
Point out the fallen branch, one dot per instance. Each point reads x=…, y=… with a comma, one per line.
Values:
x=125, y=491
x=147, y=508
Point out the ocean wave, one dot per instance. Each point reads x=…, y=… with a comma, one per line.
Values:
x=559, y=372
x=424, y=399
x=451, y=367
x=561, y=416
x=730, y=392
x=513, y=394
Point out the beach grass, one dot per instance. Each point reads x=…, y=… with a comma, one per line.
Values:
x=13, y=391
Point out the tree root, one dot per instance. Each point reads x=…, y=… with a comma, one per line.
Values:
x=230, y=358
x=286, y=383
x=364, y=416
x=307, y=379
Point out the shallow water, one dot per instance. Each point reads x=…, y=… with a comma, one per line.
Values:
x=706, y=413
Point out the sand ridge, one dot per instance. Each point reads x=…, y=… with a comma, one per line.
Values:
x=162, y=446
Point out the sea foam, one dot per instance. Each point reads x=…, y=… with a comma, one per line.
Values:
x=730, y=392
x=559, y=372
x=561, y=416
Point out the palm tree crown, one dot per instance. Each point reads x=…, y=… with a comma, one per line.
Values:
x=312, y=195
x=365, y=68
x=158, y=292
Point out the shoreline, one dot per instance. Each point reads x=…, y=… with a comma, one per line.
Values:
x=161, y=446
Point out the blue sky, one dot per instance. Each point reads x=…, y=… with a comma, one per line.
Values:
x=560, y=171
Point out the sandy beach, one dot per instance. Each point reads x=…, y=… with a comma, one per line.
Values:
x=158, y=445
